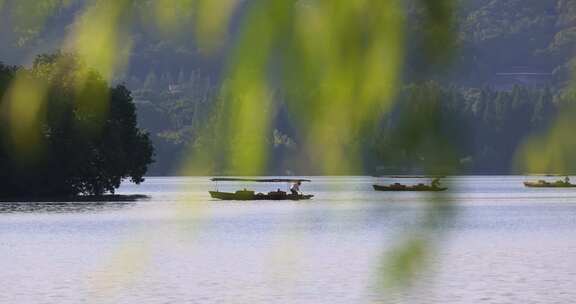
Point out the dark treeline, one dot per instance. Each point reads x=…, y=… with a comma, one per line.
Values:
x=482, y=128
x=65, y=132
x=174, y=112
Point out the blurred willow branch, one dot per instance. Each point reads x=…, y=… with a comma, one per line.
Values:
x=553, y=150
x=339, y=63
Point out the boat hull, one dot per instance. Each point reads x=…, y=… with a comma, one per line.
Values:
x=408, y=188
x=548, y=185
x=250, y=196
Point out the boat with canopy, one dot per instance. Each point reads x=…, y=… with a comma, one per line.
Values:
x=250, y=195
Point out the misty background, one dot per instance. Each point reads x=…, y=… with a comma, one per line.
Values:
x=507, y=79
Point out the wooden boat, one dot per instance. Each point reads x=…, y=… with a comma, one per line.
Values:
x=545, y=184
x=400, y=187
x=249, y=195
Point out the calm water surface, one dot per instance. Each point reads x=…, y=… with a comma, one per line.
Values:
x=505, y=244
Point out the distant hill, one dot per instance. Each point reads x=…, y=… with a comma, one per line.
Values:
x=514, y=58
x=499, y=36
x=496, y=36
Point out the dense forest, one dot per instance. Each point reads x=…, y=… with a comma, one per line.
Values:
x=504, y=82
x=483, y=128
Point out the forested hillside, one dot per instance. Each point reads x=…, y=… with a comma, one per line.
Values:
x=495, y=36
x=505, y=81
x=534, y=36
x=482, y=127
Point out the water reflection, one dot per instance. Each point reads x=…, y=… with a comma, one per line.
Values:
x=78, y=205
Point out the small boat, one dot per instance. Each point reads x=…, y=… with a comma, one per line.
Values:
x=545, y=184
x=400, y=187
x=434, y=185
x=415, y=176
x=249, y=195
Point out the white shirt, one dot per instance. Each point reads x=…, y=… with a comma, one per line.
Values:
x=295, y=187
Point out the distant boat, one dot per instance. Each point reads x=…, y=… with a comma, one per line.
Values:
x=545, y=184
x=249, y=195
x=415, y=176
x=400, y=187
x=434, y=186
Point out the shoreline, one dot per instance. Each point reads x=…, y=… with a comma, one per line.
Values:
x=77, y=199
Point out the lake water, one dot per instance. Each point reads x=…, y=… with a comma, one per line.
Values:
x=499, y=243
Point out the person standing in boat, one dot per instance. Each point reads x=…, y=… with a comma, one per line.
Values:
x=295, y=189
x=567, y=180
x=436, y=183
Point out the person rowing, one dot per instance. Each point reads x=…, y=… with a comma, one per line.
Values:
x=436, y=183
x=295, y=189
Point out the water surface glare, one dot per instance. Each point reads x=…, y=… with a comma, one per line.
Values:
x=505, y=244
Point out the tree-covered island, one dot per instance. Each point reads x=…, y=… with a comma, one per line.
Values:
x=65, y=132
